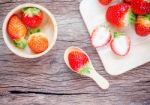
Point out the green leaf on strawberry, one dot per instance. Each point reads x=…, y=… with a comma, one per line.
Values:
x=85, y=69
x=20, y=43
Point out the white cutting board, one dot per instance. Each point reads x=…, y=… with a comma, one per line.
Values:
x=94, y=14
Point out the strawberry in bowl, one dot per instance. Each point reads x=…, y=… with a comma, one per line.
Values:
x=32, y=17
x=17, y=31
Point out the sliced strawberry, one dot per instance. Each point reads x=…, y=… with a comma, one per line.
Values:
x=120, y=15
x=120, y=45
x=100, y=36
x=140, y=7
x=105, y=2
x=32, y=17
x=15, y=28
x=77, y=60
x=142, y=25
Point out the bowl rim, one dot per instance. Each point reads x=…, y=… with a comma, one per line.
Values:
x=4, y=28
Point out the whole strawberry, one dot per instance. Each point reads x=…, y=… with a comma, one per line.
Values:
x=105, y=2
x=140, y=7
x=17, y=31
x=120, y=15
x=32, y=17
x=142, y=25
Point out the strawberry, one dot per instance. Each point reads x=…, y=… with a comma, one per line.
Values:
x=140, y=7
x=15, y=28
x=77, y=60
x=37, y=42
x=32, y=17
x=120, y=45
x=100, y=36
x=105, y=2
x=120, y=15
x=142, y=25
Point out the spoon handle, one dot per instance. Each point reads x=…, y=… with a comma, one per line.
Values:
x=100, y=80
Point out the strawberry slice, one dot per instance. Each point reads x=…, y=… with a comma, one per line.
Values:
x=100, y=36
x=32, y=17
x=120, y=45
x=120, y=15
x=105, y=2
x=15, y=28
x=140, y=7
x=77, y=60
x=142, y=25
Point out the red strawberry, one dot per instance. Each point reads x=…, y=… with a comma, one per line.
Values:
x=142, y=25
x=140, y=7
x=32, y=17
x=120, y=45
x=15, y=28
x=77, y=60
x=120, y=15
x=105, y=2
x=100, y=36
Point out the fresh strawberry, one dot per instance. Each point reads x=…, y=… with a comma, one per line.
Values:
x=142, y=25
x=32, y=17
x=38, y=42
x=120, y=45
x=120, y=15
x=105, y=2
x=15, y=28
x=140, y=7
x=100, y=36
x=77, y=60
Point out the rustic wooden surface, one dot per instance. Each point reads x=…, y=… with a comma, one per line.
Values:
x=47, y=80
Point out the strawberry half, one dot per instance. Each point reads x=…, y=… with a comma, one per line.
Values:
x=140, y=7
x=142, y=25
x=100, y=36
x=105, y=2
x=120, y=15
x=77, y=60
x=120, y=45
x=32, y=17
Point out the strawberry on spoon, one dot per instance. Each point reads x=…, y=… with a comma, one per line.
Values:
x=78, y=61
x=100, y=36
x=120, y=45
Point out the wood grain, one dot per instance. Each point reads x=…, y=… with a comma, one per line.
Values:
x=47, y=80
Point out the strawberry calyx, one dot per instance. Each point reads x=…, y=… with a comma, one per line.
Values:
x=131, y=17
x=31, y=11
x=86, y=69
x=20, y=43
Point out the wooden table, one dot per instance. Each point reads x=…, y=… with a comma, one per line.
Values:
x=47, y=80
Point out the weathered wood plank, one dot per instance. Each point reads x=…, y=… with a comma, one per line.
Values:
x=50, y=79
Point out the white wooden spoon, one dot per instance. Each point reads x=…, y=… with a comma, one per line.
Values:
x=86, y=69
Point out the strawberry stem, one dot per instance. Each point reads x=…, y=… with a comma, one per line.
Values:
x=116, y=34
x=21, y=43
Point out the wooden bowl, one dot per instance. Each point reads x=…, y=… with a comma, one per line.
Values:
x=48, y=27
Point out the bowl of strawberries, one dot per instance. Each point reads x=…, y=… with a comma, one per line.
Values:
x=30, y=30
